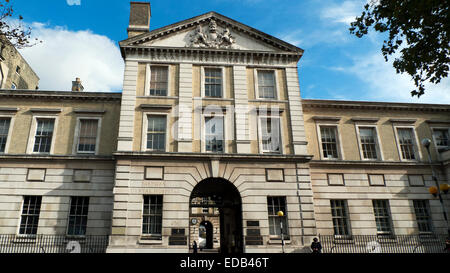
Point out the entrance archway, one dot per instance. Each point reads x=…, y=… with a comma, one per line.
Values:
x=217, y=201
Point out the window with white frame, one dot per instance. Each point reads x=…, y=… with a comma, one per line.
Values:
x=382, y=216
x=159, y=78
x=44, y=135
x=152, y=215
x=406, y=143
x=340, y=218
x=441, y=137
x=87, y=135
x=78, y=215
x=329, y=142
x=423, y=216
x=4, y=130
x=156, y=132
x=274, y=205
x=213, y=82
x=214, y=135
x=30, y=215
x=270, y=135
x=266, y=84
x=368, y=141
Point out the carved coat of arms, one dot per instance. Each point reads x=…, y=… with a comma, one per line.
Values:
x=211, y=38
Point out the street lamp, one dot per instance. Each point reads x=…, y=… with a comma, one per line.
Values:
x=436, y=190
x=281, y=214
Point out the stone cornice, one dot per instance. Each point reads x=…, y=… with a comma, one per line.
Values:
x=60, y=95
x=21, y=157
x=207, y=156
x=367, y=105
x=359, y=163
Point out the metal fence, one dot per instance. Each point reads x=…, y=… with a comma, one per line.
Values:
x=53, y=244
x=430, y=243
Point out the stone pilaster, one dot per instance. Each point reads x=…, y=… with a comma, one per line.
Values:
x=185, y=109
x=241, y=109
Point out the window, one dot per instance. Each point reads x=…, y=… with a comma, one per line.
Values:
x=441, y=137
x=159, y=80
x=423, y=217
x=339, y=215
x=270, y=135
x=152, y=215
x=213, y=82
x=4, y=129
x=214, y=134
x=30, y=215
x=328, y=137
x=266, y=84
x=368, y=142
x=78, y=215
x=382, y=216
x=87, y=136
x=406, y=143
x=274, y=205
x=44, y=134
x=156, y=133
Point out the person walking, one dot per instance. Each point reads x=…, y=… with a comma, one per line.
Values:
x=194, y=247
x=316, y=247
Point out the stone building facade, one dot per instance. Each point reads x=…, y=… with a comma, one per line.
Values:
x=208, y=140
x=15, y=72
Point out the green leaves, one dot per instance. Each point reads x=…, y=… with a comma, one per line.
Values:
x=419, y=28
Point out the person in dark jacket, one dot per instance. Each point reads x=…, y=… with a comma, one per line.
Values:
x=194, y=247
x=316, y=247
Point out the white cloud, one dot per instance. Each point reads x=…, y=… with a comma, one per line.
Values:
x=384, y=84
x=73, y=2
x=344, y=12
x=64, y=55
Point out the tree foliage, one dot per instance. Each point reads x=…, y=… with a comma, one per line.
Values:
x=418, y=29
x=14, y=33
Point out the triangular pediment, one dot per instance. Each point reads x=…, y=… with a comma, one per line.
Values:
x=211, y=31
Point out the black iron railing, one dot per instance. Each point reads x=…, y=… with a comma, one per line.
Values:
x=53, y=244
x=429, y=243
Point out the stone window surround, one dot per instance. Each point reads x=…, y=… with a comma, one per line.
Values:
x=77, y=134
x=255, y=80
x=379, y=148
x=145, y=115
x=335, y=124
x=438, y=128
x=11, y=126
x=148, y=74
x=202, y=81
x=32, y=134
x=281, y=136
x=417, y=153
x=203, y=130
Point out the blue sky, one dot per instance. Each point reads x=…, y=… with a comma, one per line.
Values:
x=80, y=39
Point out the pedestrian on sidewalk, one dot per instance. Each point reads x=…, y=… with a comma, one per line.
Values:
x=316, y=247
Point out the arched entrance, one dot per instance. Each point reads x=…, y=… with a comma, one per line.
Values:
x=217, y=201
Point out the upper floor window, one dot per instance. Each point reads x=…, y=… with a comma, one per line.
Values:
x=87, y=135
x=266, y=84
x=382, y=216
x=156, y=133
x=213, y=82
x=270, y=135
x=441, y=137
x=4, y=130
x=159, y=78
x=78, y=215
x=214, y=137
x=423, y=216
x=406, y=143
x=339, y=216
x=329, y=143
x=368, y=142
x=30, y=215
x=44, y=135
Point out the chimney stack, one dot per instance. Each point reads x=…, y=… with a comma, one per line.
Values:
x=76, y=85
x=140, y=13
